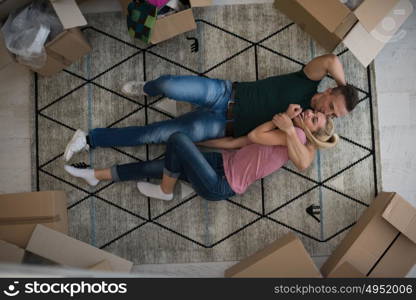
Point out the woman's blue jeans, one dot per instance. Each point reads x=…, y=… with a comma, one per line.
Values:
x=207, y=122
x=183, y=160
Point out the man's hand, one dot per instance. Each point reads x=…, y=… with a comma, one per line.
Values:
x=293, y=110
x=283, y=122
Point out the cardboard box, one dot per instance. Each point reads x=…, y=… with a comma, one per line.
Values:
x=285, y=257
x=364, y=31
x=10, y=253
x=346, y=270
x=174, y=24
x=19, y=214
x=103, y=265
x=68, y=251
x=374, y=246
x=402, y=215
x=68, y=46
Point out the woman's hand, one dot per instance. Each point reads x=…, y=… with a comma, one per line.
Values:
x=293, y=110
x=283, y=122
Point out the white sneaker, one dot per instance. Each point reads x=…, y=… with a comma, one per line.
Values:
x=77, y=143
x=153, y=191
x=83, y=171
x=133, y=88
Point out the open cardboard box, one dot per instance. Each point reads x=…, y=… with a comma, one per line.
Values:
x=382, y=243
x=67, y=47
x=10, y=253
x=38, y=222
x=286, y=257
x=67, y=251
x=174, y=24
x=19, y=214
x=364, y=31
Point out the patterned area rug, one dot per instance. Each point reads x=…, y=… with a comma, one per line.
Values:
x=240, y=43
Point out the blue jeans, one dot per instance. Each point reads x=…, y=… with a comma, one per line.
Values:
x=183, y=160
x=207, y=122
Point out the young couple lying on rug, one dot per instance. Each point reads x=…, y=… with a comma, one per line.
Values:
x=254, y=116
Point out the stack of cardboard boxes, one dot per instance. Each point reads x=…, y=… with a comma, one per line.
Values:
x=381, y=244
x=37, y=222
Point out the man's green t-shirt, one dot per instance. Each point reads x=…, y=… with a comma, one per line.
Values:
x=258, y=101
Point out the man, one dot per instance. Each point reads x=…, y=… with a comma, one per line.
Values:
x=232, y=109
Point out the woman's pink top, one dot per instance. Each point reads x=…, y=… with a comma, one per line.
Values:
x=244, y=166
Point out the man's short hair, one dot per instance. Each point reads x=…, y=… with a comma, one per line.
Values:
x=350, y=94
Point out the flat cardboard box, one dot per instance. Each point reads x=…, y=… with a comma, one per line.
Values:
x=174, y=24
x=285, y=257
x=19, y=214
x=103, y=265
x=346, y=270
x=10, y=253
x=68, y=46
x=373, y=245
x=364, y=31
x=68, y=251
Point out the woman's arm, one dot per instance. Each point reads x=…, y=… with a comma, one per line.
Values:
x=301, y=155
x=226, y=143
x=268, y=134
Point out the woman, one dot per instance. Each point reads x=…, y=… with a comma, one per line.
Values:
x=213, y=175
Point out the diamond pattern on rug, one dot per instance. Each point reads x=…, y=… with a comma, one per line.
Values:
x=115, y=217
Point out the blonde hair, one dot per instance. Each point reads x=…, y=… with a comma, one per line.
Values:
x=323, y=138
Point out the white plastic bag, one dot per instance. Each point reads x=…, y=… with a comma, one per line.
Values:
x=26, y=32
